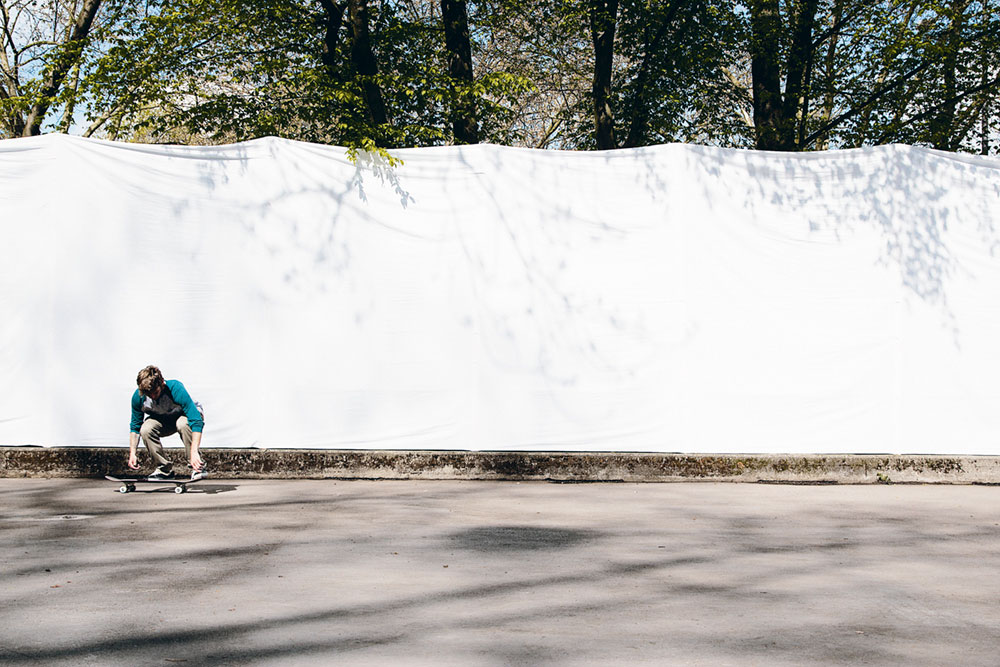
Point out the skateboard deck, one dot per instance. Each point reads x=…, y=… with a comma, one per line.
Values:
x=128, y=483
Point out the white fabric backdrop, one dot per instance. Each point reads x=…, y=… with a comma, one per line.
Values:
x=674, y=298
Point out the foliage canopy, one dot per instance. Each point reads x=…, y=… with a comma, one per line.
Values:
x=574, y=74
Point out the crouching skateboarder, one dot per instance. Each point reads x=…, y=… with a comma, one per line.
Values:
x=161, y=408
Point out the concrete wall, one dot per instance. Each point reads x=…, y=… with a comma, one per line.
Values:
x=568, y=467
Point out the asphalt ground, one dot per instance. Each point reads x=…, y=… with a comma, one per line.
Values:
x=267, y=572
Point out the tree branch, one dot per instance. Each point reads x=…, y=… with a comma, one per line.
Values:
x=954, y=99
x=40, y=42
x=59, y=70
x=875, y=96
x=10, y=73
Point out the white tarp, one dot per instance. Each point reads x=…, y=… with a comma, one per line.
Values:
x=674, y=298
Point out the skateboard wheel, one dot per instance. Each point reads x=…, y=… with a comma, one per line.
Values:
x=123, y=488
x=179, y=488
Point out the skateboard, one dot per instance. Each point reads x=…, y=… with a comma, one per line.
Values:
x=128, y=483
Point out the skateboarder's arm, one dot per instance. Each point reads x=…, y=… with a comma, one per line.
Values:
x=183, y=398
x=134, y=426
x=196, y=461
x=137, y=415
x=133, y=446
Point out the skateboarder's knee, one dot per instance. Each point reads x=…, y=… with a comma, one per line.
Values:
x=150, y=429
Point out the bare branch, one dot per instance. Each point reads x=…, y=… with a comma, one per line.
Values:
x=57, y=74
x=100, y=121
x=32, y=45
x=937, y=107
x=871, y=99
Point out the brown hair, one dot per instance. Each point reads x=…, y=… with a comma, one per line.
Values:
x=149, y=378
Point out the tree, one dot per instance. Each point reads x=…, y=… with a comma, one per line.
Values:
x=546, y=43
x=624, y=73
x=574, y=74
x=775, y=110
x=232, y=70
x=672, y=79
x=603, y=15
x=858, y=73
x=949, y=97
x=364, y=62
x=458, y=46
x=47, y=47
x=335, y=71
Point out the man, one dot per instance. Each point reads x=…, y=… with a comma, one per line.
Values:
x=160, y=409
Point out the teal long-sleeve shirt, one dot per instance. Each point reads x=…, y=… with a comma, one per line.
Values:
x=171, y=403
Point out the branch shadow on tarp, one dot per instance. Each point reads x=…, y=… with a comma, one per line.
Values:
x=556, y=328
x=907, y=195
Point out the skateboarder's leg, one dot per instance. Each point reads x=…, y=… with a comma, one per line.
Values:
x=151, y=432
x=184, y=430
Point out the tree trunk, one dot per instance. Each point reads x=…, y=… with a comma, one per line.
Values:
x=332, y=24
x=455, y=16
x=72, y=50
x=363, y=59
x=823, y=142
x=942, y=134
x=984, y=128
x=67, y=119
x=639, y=118
x=796, y=98
x=603, y=20
x=984, y=113
x=768, y=109
x=13, y=120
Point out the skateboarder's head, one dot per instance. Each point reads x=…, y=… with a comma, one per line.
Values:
x=150, y=381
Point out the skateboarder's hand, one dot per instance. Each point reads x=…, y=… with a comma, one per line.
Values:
x=133, y=461
x=196, y=461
